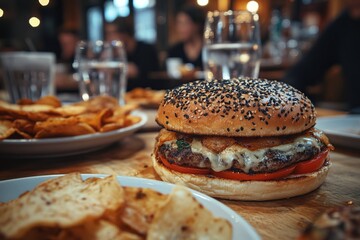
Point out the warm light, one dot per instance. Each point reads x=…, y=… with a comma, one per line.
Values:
x=202, y=2
x=244, y=57
x=34, y=22
x=252, y=6
x=44, y=2
x=1, y=12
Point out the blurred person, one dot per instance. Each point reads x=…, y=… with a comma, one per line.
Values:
x=142, y=57
x=68, y=39
x=190, y=22
x=339, y=44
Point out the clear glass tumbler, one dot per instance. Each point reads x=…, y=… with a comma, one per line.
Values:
x=232, y=45
x=28, y=74
x=101, y=69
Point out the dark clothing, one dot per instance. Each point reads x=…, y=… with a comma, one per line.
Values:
x=338, y=44
x=178, y=51
x=146, y=59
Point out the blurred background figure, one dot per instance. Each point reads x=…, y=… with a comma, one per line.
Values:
x=142, y=57
x=189, y=29
x=339, y=44
x=68, y=39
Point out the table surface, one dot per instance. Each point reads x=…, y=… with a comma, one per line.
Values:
x=281, y=219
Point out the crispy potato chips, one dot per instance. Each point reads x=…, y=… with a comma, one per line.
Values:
x=145, y=97
x=68, y=207
x=46, y=118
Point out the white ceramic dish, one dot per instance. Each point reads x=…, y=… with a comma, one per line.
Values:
x=64, y=146
x=11, y=189
x=342, y=130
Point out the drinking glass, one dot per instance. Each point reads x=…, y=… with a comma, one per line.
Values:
x=101, y=69
x=232, y=46
x=28, y=74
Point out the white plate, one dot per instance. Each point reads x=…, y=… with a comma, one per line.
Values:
x=342, y=130
x=64, y=146
x=11, y=189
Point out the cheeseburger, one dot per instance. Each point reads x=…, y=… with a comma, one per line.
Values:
x=244, y=139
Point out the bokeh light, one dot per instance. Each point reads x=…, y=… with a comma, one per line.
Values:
x=44, y=2
x=202, y=2
x=34, y=22
x=252, y=6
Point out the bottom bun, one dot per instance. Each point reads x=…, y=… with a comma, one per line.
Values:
x=245, y=190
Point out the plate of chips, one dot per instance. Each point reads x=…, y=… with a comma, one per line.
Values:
x=46, y=128
x=145, y=97
x=74, y=206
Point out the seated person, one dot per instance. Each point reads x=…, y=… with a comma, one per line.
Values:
x=338, y=44
x=68, y=39
x=189, y=26
x=142, y=57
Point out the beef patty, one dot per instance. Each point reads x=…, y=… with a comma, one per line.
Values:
x=271, y=158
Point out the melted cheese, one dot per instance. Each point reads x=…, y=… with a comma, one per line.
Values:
x=245, y=157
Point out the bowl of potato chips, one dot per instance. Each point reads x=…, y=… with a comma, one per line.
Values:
x=48, y=128
x=93, y=206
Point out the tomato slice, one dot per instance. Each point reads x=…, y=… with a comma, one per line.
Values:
x=311, y=165
x=182, y=169
x=258, y=176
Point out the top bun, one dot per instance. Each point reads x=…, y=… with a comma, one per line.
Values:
x=236, y=108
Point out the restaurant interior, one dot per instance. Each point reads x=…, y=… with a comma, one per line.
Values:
x=288, y=29
x=180, y=119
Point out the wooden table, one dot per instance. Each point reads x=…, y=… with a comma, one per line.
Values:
x=282, y=219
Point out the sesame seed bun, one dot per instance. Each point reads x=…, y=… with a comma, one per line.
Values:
x=292, y=186
x=236, y=108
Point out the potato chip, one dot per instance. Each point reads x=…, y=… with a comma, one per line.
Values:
x=98, y=103
x=111, y=127
x=24, y=126
x=25, y=101
x=18, y=134
x=5, y=128
x=55, y=127
x=8, y=131
x=70, y=110
x=96, y=120
x=12, y=114
x=50, y=101
x=140, y=206
x=46, y=100
x=192, y=220
x=93, y=230
x=62, y=202
x=130, y=120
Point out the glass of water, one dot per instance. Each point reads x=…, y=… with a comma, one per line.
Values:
x=232, y=45
x=101, y=69
x=28, y=74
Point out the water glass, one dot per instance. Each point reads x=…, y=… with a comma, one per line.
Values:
x=28, y=74
x=101, y=69
x=232, y=45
